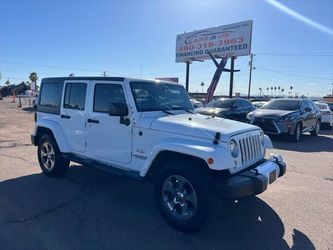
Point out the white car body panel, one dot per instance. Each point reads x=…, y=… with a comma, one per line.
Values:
x=326, y=113
x=135, y=147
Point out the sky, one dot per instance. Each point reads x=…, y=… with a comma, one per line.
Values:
x=292, y=41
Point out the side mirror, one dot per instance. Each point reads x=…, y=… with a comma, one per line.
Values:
x=234, y=107
x=118, y=109
x=307, y=110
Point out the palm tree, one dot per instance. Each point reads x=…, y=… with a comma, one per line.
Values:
x=260, y=92
x=7, y=84
x=291, y=91
x=267, y=91
x=282, y=90
x=33, y=77
x=274, y=91
x=202, y=86
x=279, y=92
x=271, y=91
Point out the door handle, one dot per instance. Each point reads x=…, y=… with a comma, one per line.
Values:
x=65, y=116
x=92, y=121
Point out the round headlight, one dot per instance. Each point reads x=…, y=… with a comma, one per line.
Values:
x=234, y=149
x=250, y=117
x=262, y=138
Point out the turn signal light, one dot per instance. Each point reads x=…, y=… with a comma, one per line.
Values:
x=210, y=161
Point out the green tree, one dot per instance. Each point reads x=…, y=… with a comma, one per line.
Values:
x=34, y=77
x=7, y=83
x=202, y=86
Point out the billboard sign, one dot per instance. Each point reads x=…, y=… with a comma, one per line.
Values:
x=223, y=41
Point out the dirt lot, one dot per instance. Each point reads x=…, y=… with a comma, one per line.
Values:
x=89, y=209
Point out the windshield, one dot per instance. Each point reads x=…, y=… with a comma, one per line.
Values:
x=152, y=96
x=221, y=103
x=282, y=105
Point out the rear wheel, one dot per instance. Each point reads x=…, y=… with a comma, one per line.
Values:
x=316, y=129
x=183, y=195
x=50, y=159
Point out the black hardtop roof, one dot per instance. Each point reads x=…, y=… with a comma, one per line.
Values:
x=98, y=78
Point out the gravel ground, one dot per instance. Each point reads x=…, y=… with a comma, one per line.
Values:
x=89, y=209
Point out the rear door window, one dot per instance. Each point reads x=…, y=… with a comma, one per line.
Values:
x=75, y=96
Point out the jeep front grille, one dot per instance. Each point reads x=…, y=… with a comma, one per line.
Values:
x=251, y=149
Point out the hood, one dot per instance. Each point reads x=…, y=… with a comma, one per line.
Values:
x=200, y=126
x=271, y=113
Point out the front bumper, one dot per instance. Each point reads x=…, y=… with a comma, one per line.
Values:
x=252, y=181
x=277, y=127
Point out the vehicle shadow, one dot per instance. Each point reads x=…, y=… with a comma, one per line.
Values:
x=321, y=143
x=89, y=209
x=29, y=109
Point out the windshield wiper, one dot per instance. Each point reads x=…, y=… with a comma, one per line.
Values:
x=167, y=112
x=187, y=110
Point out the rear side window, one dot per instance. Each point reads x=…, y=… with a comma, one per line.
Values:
x=106, y=95
x=243, y=104
x=50, y=97
x=75, y=96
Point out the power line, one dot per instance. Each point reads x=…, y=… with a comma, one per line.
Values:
x=296, y=75
x=297, y=66
x=50, y=66
x=294, y=54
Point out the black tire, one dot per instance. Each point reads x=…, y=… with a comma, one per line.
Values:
x=50, y=158
x=194, y=195
x=316, y=129
x=296, y=137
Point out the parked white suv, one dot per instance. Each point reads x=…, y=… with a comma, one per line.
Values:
x=147, y=130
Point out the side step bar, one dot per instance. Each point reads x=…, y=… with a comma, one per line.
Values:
x=133, y=175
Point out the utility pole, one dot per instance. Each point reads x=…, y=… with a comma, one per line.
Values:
x=104, y=73
x=250, y=78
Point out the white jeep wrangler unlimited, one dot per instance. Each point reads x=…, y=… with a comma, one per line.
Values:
x=147, y=130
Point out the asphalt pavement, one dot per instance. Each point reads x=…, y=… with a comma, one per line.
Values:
x=90, y=209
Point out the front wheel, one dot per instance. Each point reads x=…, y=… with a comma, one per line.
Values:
x=316, y=129
x=297, y=133
x=182, y=195
x=50, y=159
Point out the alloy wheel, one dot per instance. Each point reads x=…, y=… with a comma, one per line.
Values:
x=179, y=197
x=47, y=156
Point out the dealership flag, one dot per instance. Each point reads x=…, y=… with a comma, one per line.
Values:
x=215, y=80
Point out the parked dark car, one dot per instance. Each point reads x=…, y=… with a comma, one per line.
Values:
x=287, y=116
x=230, y=108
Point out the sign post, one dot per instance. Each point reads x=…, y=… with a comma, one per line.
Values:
x=187, y=81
